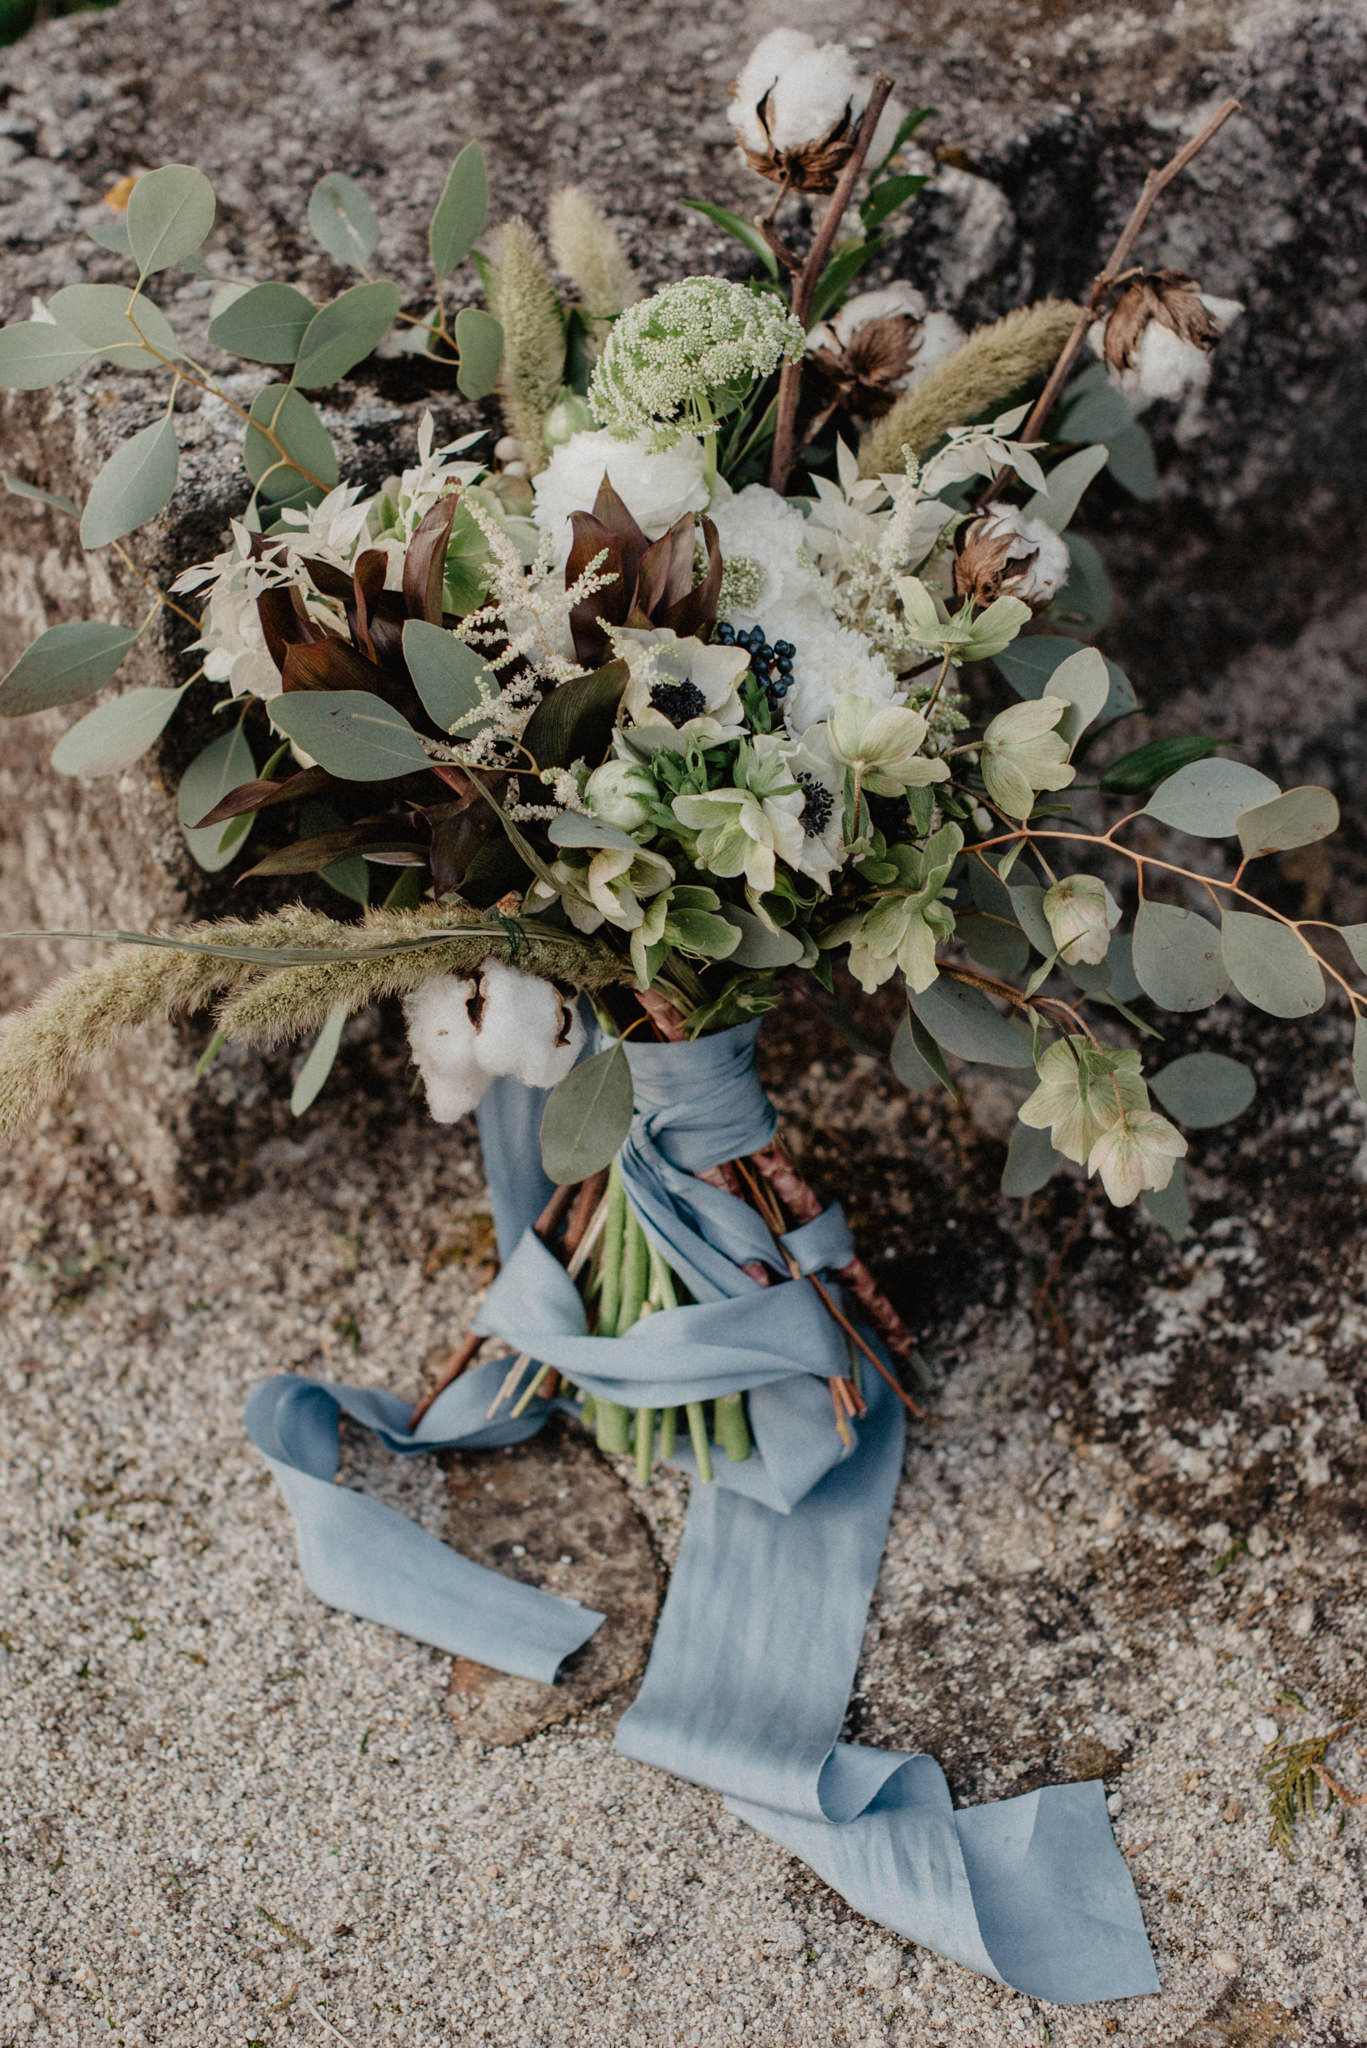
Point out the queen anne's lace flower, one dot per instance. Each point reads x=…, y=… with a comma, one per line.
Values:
x=686, y=357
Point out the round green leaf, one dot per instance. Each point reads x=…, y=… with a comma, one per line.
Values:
x=36, y=353
x=350, y=733
x=344, y=220
x=964, y=1021
x=572, y=828
x=1177, y=957
x=587, y=1117
x=1203, y=1089
x=479, y=338
x=170, y=212
x=115, y=323
x=1170, y=1207
x=1208, y=798
x=266, y=323
x=1028, y=665
x=344, y=333
x=461, y=211
x=63, y=665
x=1030, y=1162
x=226, y=763
x=1133, y=463
x=303, y=436
x=1064, y=486
x=445, y=673
x=1271, y=965
x=1084, y=683
x=138, y=479
x=761, y=947
x=1297, y=819
x=115, y=735
x=1354, y=937
x=308, y=1082
x=1085, y=599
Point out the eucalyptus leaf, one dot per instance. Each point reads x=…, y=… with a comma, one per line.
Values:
x=351, y=733
x=745, y=232
x=964, y=1021
x=170, y=211
x=265, y=324
x=1271, y=965
x=1360, y=1056
x=1203, y=1089
x=479, y=341
x=63, y=665
x=587, y=1117
x=116, y=734
x=343, y=220
x=133, y=486
x=1170, y=1207
x=116, y=323
x=1027, y=900
x=36, y=353
x=1178, y=959
x=1030, y=1162
x=306, y=443
x=1084, y=683
x=572, y=828
x=226, y=763
x=20, y=487
x=1354, y=937
x=995, y=943
x=1133, y=463
x=1093, y=409
x=1208, y=798
x=1064, y=486
x=1298, y=818
x=445, y=673
x=344, y=333
x=761, y=947
x=913, y=1071
x=110, y=231
x=1028, y=665
x=309, y=1081
x=1085, y=599
x=461, y=211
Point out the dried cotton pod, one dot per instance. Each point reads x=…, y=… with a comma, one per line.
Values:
x=1001, y=553
x=796, y=108
x=1157, y=338
x=878, y=345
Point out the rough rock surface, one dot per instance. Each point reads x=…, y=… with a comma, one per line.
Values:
x=1237, y=589
x=1129, y=1543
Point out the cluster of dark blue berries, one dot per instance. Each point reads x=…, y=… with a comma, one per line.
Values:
x=771, y=663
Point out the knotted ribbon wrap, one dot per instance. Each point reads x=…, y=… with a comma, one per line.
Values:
x=759, y=1635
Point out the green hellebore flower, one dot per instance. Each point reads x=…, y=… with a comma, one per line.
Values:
x=1021, y=753
x=1083, y=1089
x=1138, y=1151
x=882, y=744
x=962, y=635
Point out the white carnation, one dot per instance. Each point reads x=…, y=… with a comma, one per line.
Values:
x=657, y=485
x=831, y=661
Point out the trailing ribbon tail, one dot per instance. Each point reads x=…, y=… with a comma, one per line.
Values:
x=759, y=1637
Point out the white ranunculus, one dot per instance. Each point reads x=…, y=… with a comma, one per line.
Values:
x=658, y=486
x=758, y=526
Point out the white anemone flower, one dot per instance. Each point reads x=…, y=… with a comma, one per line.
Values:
x=821, y=778
x=680, y=691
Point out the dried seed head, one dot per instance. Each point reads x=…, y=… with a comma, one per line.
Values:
x=877, y=345
x=1157, y=338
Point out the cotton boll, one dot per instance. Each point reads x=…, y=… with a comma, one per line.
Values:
x=451, y=1096
x=758, y=75
x=526, y=1028
x=812, y=95
x=441, y=1031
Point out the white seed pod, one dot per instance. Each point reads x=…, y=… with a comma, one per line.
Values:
x=527, y=1028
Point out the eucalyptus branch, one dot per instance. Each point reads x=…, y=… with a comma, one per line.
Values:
x=804, y=285
x=157, y=592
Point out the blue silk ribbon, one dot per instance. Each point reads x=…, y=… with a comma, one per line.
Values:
x=759, y=1636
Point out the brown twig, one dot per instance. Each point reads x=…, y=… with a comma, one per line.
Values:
x=455, y=1366
x=805, y=283
x=806, y=1205
x=1105, y=281
x=586, y=1200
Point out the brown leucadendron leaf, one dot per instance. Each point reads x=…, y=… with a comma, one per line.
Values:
x=666, y=572
x=590, y=618
x=285, y=623
x=697, y=608
x=331, y=664
x=320, y=849
x=367, y=579
x=424, y=565
x=259, y=796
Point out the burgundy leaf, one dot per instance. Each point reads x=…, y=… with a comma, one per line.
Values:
x=367, y=581
x=285, y=623
x=308, y=856
x=697, y=608
x=331, y=664
x=259, y=796
x=424, y=565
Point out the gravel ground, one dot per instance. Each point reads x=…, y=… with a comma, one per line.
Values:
x=231, y=1816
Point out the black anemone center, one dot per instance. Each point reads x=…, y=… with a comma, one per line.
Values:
x=817, y=805
x=678, y=701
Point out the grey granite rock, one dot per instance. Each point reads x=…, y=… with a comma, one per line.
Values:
x=1237, y=605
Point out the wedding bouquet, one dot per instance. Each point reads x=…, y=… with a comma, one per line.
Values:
x=746, y=658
